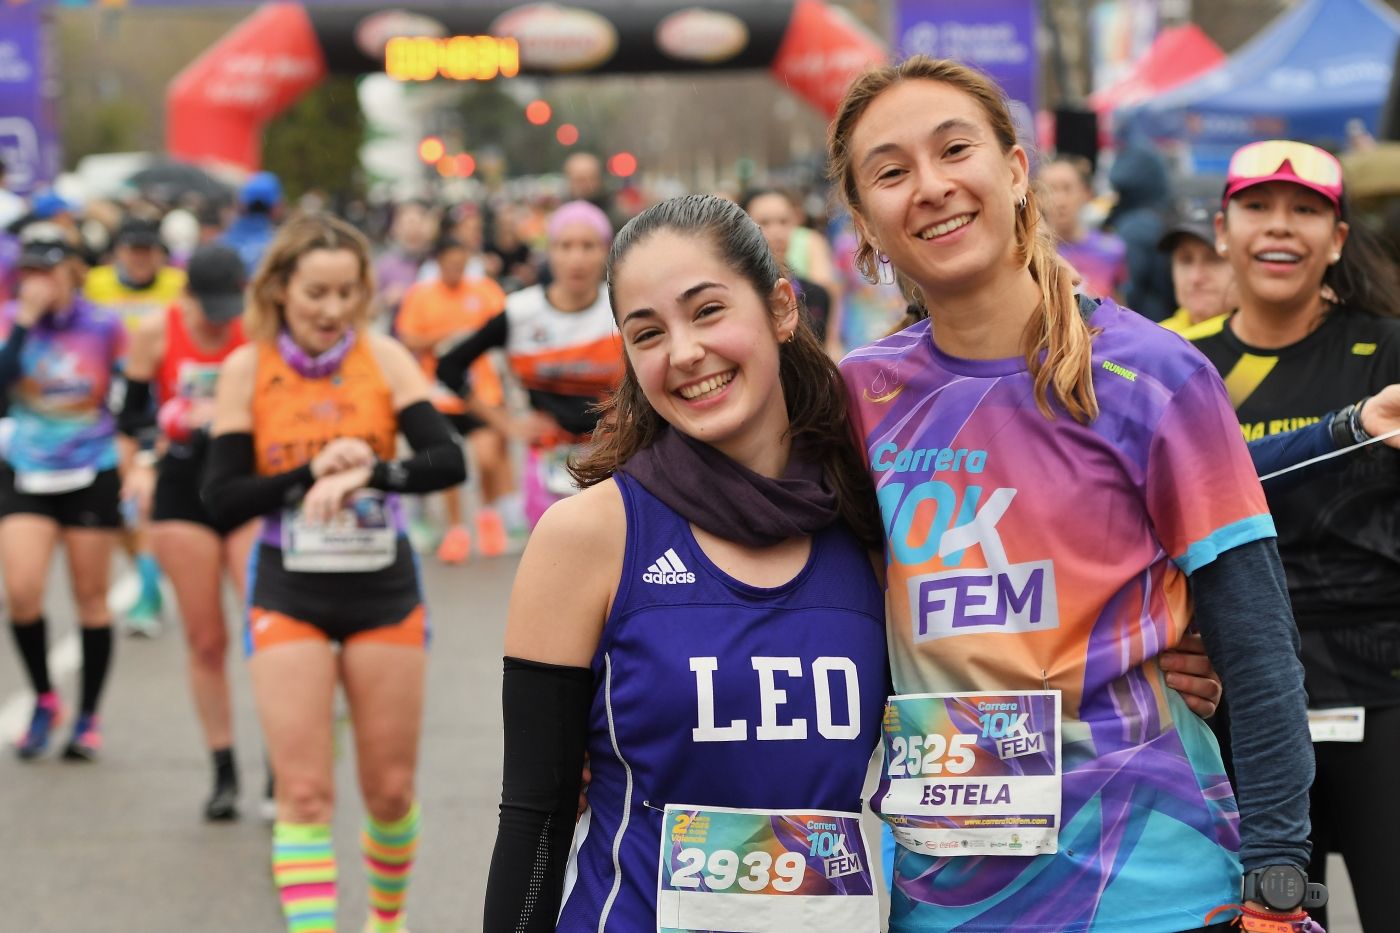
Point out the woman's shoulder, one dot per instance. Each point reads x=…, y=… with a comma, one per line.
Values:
x=1132, y=348
x=593, y=518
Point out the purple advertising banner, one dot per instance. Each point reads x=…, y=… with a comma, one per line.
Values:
x=28, y=143
x=997, y=36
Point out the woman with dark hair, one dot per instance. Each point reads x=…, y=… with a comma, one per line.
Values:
x=1317, y=328
x=720, y=655
x=1064, y=491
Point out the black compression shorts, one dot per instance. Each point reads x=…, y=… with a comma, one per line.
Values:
x=97, y=505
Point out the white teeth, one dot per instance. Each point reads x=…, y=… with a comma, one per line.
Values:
x=948, y=226
x=1278, y=256
x=713, y=384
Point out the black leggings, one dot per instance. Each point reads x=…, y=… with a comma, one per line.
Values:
x=1356, y=814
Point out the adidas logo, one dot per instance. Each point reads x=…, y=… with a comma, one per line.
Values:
x=668, y=569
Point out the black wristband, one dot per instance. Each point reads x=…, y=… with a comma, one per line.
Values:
x=1339, y=427
x=1358, y=433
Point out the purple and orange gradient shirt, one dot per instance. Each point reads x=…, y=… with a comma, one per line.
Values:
x=1027, y=553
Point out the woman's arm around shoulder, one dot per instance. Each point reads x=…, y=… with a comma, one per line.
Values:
x=405, y=377
x=567, y=579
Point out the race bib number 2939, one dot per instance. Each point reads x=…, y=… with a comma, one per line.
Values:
x=754, y=871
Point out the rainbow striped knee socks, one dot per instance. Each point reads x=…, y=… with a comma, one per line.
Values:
x=303, y=867
x=388, y=849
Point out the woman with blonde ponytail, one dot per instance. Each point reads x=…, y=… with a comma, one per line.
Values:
x=1064, y=491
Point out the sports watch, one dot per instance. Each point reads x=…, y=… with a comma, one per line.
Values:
x=1283, y=889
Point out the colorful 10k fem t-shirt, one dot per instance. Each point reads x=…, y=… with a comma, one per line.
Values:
x=1029, y=555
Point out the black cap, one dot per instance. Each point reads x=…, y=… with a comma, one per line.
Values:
x=43, y=245
x=137, y=231
x=216, y=277
x=1193, y=218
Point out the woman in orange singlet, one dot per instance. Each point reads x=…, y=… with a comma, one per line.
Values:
x=305, y=430
x=181, y=352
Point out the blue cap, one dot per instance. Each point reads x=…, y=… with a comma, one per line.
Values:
x=48, y=205
x=263, y=188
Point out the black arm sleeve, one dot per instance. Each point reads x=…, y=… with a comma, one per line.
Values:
x=10, y=355
x=437, y=460
x=453, y=365
x=1242, y=610
x=137, y=419
x=233, y=493
x=545, y=708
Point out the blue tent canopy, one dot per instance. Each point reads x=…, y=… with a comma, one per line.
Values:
x=1307, y=74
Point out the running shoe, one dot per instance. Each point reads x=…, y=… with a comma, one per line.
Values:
x=222, y=805
x=491, y=538
x=456, y=546
x=143, y=618
x=47, y=714
x=86, y=741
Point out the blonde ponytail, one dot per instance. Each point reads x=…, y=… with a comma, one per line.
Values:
x=1059, y=343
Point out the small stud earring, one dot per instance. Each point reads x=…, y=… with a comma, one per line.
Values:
x=1221, y=248
x=1021, y=205
x=1336, y=257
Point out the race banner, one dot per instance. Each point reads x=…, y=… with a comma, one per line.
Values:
x=997, y=36
x=28, y=137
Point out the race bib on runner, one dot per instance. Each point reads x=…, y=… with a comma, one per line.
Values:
x=554, y=469
x=754, y=871
x=1342, y=724
x=197, y=381
x=54, y=482
x=972, y=773
x=361, y=537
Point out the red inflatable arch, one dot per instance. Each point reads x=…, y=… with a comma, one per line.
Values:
x=216, y=108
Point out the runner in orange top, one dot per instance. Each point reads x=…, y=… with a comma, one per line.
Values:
x=443, y=310
x=305, y=428
x=563, y=347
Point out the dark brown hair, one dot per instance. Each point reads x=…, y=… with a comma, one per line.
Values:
x=1057, y=341
x=812, y=389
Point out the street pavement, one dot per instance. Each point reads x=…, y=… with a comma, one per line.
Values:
x=118, y=846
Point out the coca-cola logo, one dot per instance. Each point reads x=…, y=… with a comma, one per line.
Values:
x=700, y=35
x=558, y=38
x=374, y=32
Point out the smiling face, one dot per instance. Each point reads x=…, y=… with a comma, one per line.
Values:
x=1280, y=238
x=324, y=297
x=703, y=343
x=936, y=191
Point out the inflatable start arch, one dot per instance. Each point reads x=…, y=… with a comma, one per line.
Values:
x=216, y=108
